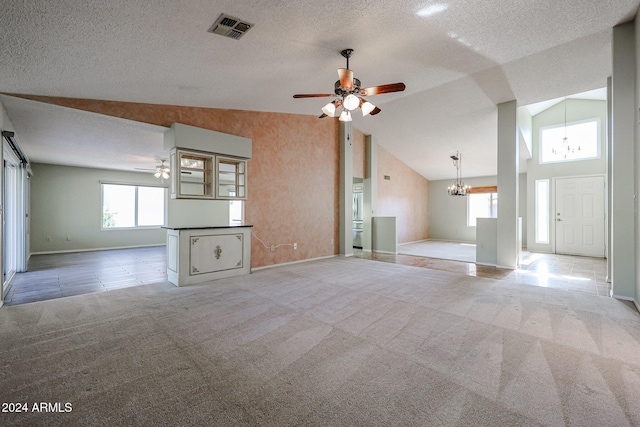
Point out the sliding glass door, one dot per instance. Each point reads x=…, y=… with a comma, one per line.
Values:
x=14, y=210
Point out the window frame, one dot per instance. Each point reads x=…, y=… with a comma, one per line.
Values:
x=537, y=211
x=136, y=211
x=493, y=195
x=598, y=155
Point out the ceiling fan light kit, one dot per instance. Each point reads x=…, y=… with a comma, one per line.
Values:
x=349, y=95
x=329, y=109
x=162, y=171
x=345, y=116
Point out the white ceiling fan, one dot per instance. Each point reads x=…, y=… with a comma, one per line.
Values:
x=161, y=171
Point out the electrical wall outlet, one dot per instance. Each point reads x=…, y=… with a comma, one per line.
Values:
x=295, y=246
x=273, y=248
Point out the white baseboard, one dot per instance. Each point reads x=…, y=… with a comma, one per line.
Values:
x=624, y=298
x=486, y=263
x=633, y=300
x=415, y=241
x=94, y=249
x=439, y=240
x=292, y=262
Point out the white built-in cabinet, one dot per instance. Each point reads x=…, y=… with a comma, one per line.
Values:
x=201, y=175
x=196, y=255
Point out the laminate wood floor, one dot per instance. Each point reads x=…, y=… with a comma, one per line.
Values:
x=60, y=275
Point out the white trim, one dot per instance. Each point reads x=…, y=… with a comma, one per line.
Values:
x=96, y=249
x=264, y=267
x=565, y=125
x=136, y=213
x=624, y=298
x=439, y=240
x=415, y=241
x=484, y=263
x=536, y=219
x=552, y=229
x=102, y=181
x=386, y=252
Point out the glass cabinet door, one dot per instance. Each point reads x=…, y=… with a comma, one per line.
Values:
x=196, y=175
x=232, y=178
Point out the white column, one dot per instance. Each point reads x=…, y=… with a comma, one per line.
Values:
x=508, y=161
x=346, y=190
x=622, y=185
x=370, y=191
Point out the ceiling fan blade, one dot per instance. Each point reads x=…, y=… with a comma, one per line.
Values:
x=375, y=111
x=346, y=78
x=313, y=95
x=322, y=116
x=377, y=90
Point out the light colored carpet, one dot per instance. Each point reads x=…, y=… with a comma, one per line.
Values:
x=340, y=341
x=440, y=249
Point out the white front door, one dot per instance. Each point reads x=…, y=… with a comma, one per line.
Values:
x=580, y=216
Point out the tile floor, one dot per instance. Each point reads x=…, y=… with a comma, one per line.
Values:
x=571, y=273
x=60, y=275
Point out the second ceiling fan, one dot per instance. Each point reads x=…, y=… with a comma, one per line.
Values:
x=349, y=96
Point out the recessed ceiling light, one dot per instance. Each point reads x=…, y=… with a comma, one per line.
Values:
x=432, y=9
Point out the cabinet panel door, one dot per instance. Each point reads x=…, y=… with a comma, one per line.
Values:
x=208, y=254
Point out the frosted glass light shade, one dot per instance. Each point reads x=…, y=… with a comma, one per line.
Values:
x=367, y=108
x=351, y=102
x=345, y=116
x=329, y=109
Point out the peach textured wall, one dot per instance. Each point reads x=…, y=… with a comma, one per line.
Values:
x=405, y=196
x=359, y=159
x=293, y=175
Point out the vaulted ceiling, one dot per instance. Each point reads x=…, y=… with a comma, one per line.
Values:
x=458, y=60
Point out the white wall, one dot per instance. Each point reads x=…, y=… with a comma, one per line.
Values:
x=576, y=110
x=637, y=164
x=66, y=202
x=448, y=214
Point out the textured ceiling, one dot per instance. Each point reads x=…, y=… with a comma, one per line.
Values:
x=457, y=64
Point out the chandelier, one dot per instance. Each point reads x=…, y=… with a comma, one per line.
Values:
x=162, y=171
x=458, y=188
x=565, y=149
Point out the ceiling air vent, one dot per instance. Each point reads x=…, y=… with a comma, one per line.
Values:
x=229, y=26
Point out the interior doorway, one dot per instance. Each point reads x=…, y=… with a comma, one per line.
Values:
x=580, y=216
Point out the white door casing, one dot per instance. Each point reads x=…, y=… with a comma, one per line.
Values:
x=580, y=216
